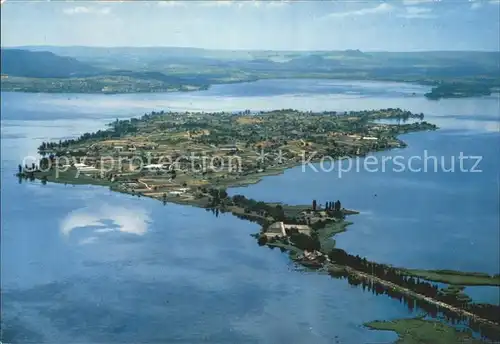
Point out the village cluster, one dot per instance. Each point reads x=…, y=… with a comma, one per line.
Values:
x=176, y=154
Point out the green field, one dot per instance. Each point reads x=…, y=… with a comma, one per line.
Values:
x=419, y=331
x=456, y=277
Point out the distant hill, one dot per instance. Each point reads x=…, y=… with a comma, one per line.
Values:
x=355, y=53
x=42, y=64
x=156, y=69
x=225, y=64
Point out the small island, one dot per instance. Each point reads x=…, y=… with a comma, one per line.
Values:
x=192, y=158
x=459, y=90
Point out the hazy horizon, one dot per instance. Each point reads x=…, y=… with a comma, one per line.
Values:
x=391, y=26
x=240, y=50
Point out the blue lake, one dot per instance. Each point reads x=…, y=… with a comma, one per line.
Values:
x=83, y=264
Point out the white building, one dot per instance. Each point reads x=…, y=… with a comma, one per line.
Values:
x=154, y=166
x=279, y=229
x=83, y=167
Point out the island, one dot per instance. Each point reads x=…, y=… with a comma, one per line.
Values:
x=178, y=156
x=192, y=158
x=460, y=90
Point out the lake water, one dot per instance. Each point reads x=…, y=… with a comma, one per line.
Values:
x=83, y=264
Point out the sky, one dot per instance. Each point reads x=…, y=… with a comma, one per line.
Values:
x=396, y=25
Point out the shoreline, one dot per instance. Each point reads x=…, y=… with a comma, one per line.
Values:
x=264, y=78
x=215, y=201
x=433, y=94
x=5, y=85
x=454, y=277
x=443, y=276
x=328, y=239
x=415, y=295
x=420, y=330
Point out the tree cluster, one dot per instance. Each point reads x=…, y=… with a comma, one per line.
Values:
x=250, y=205
x=387, y=273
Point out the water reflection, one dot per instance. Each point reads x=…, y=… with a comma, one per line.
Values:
x=414, y=302
x=453, y=123
x=459, y=211
x=461, y=322
x=102, y=219
x=191, y=277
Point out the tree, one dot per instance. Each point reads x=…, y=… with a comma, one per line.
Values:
x=223, y=194
x=314, y=204
x=338, y=205
x=262, y=240
x=278, y=212
x=305, y=242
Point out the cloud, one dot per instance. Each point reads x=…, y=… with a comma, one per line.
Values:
x=106, y=218
x=87, y=10
x=417, y=13
x=382, y=8
x=88, y=240
x=263, y=4
x=225, y=3
x=475, y=5
x=217, y=3
x=276, y=3
x=171, y=3
x=417, y=2
x=255, y=3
